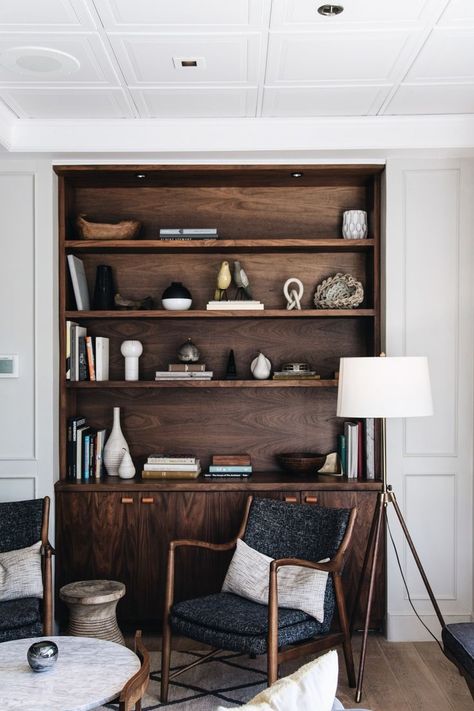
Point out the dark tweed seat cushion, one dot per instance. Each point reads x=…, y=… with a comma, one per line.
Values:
x=20, y=618
x=279, y=530
x=458, y=639
x=231, y=622
x=20, y=524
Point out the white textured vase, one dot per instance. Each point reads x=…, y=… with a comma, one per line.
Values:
x=126, y=469
x=261, y=367
x=354, y=224
x=131, y=350
x=116, y=443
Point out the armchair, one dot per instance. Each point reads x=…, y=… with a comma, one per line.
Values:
x=23, y=523
x=291, y=534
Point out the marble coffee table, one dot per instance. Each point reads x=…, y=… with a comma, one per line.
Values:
x=89, y=672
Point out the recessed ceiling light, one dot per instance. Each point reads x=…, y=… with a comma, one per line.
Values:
x=296, y=174
x=39, y=62
x=141, y=176
x=330, y=10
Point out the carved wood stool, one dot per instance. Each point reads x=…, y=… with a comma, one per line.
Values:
x=92, y=605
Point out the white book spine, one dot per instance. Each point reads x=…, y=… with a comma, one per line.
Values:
x=172, y=467
x=370, y=448
x=101, y=358
x=79, y=282
x=352, y=447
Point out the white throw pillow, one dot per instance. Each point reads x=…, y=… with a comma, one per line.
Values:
x=298, y=588
x=311, y=688
x=20, y=573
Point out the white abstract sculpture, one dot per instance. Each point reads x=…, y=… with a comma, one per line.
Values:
x=292, y=296
x=261, y=367
x=131, y=350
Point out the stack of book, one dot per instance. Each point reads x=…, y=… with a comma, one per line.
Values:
x=171, y=466
x=296, y=375
x=230, y=466
x=356, y=450
x=237, y=305
x=185, y=371
x=85, y=449
x=87, y=357
x=187, y=233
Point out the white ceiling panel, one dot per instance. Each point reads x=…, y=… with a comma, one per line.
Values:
x=163, y=15
x=86, y=49
x=191, y=102
x=447, y=54
x=323, y=101
x=335, y=56
x=303, y=14
x=44, y=15
x=432, y=99
x=458, y=12
x=63, y=103
x=155, y=59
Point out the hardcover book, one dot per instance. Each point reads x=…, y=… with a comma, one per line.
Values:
x=241, y=469
x=172, y=459
x=172, y=467
x=79, y=282
x=169, y=474
x=231, y=460
x=101, y=358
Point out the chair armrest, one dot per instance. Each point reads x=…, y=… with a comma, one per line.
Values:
x=203, y=544
x=47, y=550
x=329, y=567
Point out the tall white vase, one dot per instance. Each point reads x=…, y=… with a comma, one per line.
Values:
x=115, y=446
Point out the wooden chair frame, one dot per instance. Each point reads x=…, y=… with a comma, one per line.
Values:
x=47, y=552
x=274, y=656
x=135, y=688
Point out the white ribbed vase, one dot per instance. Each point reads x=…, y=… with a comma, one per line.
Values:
x=116, y=443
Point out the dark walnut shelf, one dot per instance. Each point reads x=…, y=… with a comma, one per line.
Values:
x=201, y=313
x=217, y=245
x=87, y=385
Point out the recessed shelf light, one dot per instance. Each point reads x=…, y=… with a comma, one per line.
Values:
x=140, y=176
x=330, y=10
x=296, y=174
x=39, y=62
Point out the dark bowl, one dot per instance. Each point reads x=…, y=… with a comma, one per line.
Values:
x=301, y=462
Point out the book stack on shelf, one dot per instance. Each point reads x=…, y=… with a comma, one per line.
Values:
x=357, y=451
x=229, y=466
x=185, y=371
x=171, y=466
x=87, y=357
x=303, y=375
x=85, y=450
x=236, y=305
x=187, y=234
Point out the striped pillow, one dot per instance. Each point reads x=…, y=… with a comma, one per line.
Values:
x=298, y=588
x=20, y=573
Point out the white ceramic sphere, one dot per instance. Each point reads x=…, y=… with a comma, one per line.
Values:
x=131, y=349
x=177, y=304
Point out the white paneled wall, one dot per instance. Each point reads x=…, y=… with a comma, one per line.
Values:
x=429, y=302
x=27, y=318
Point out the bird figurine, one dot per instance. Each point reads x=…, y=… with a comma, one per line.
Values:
x=242, y=283
x=224, y=279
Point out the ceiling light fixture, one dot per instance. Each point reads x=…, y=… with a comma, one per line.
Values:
x=296, y=174
x=140, y=176
x=39, y=62
x=330, y=10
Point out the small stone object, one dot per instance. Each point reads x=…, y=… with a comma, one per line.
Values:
x=188, y=352
x=131, y=350
x=341, y=291
x=43, y=655
x=126, y=468
x=354, y=224
x=121, y=303
x=261, y=367
x=331, y=465
x=293, y=295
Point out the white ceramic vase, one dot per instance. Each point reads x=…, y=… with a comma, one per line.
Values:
x=131, y=350
x=261, y=367
x=354, y=224
x=116, y=443
x=126, y=469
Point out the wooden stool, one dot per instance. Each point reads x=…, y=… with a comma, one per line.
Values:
x=92, y=605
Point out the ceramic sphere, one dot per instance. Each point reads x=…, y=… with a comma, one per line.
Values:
x=131, y=349
x=176, y=297
x=43, y=655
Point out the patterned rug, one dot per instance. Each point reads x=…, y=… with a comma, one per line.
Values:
x=228, y=680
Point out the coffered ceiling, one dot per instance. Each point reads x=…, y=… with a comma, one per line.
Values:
x=104, y=60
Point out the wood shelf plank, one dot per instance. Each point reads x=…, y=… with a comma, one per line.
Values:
x=217, y=245
x=266, y=313
x=141, y=384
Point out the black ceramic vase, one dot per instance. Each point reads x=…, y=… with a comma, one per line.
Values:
x=104, y=291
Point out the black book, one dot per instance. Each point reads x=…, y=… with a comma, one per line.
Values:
x=72, y=426
x=83, y=364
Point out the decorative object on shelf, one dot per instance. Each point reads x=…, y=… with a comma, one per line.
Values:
x=261, y=367
x=354, y=224
x=231, y=370
x=341, y=291
x=125, y=229
x=296, y=367
x=242, y=283
x=188, y=352
x=104, y=289
x=176, y=297
x=301, y=462
x=121, y=303
x=131, y=351
x=43, y=655
x=79, y=282
x=116, y=443
x=188, y=233
x=293, y=296
x=126, y=469
x=224, y=279
x=296, y=371
x=331, y=465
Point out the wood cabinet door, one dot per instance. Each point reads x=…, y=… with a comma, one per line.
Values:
x=365, y=502
x=97, y=539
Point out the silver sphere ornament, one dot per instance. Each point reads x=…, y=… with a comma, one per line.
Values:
x=43, y=655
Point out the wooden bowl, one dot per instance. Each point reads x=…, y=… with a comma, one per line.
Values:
x=301, y=462
x=126, y=229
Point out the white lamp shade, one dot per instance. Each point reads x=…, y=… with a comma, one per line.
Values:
x=384, y=387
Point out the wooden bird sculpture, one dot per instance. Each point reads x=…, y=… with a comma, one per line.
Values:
x=242, y=283
x=224, y=279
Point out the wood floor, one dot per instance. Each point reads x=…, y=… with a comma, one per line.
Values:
x=406, y=676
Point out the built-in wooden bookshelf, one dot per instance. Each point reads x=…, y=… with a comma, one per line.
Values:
x=278, y=226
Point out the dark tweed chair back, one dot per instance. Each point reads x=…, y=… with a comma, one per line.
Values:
x=20, y=524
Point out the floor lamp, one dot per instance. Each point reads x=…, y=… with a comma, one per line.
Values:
x=383, y=387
